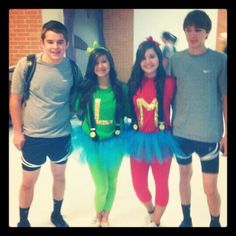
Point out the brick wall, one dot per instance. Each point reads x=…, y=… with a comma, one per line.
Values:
x=118, y=33
x=24, y=33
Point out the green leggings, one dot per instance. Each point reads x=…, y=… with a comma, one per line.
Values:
x=105, y=186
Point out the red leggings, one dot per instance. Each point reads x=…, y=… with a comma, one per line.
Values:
x=160, y=171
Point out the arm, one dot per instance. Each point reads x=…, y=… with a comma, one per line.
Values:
x=16, y=116
x=169, y=91
x=223, y=141
x=165, y=61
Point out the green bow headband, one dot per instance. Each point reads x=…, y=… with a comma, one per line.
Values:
x=96, y=45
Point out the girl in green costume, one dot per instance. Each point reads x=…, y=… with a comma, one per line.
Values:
x=100, y=139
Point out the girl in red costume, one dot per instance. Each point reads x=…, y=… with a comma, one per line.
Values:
x=150, y=142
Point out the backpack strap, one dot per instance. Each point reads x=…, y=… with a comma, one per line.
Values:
x=74, y=69
x=77, y=78
x=31, y=63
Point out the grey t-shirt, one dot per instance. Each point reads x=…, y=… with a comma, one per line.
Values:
x=201, y=82
x=47, y=112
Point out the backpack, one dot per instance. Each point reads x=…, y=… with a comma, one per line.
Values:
x=31, y=63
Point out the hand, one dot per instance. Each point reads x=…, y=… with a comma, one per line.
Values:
x=19, y=140
x=223, y=145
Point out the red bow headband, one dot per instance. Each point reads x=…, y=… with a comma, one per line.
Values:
x=151, y=39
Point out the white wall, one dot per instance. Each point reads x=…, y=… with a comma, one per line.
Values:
x=154, y=21
x=52, y=14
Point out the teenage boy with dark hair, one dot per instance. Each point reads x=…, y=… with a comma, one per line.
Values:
x=199, y=108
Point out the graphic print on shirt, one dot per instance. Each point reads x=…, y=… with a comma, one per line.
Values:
x=97, y=114
x=149, y=107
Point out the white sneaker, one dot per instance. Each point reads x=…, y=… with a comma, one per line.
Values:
x=148, y=219
x=152, y=224
x=105, y=224
x=95, y=223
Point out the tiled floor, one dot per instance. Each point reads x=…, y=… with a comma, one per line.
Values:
x=78, y=207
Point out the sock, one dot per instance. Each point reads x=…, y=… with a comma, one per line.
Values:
x=215, y=221
x=24, y=214
x=186, y=212
x=57, y=207
x=151, y=212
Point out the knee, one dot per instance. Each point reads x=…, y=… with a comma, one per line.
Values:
x=210, y=191
x=186, y=173
x=102, y=191
x=27, y=185
x=59, y=177
x=143, y=194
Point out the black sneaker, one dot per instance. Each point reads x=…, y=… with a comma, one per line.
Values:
x=24, y=224
x=214, y=224
x=58, y=221
x=186, y=223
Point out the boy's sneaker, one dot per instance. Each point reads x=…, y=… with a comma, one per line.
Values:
x=215, y=224
x=58, y=221
x=24, y=224
x=186, y=223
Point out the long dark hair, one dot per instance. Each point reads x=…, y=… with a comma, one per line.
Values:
x=90, y=82
x=137, y=74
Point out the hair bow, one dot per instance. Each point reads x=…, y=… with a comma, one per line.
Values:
x=96, y=45
x=149, y=38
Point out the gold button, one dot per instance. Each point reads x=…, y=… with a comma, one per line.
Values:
x=135, y=126
x=117, y=132
x=161, y=126
x=92, y=134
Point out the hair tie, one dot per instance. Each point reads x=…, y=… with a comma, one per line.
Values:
x=95, y=45
x=149, y=38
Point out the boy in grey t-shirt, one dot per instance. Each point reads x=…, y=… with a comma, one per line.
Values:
x=201, y=79
x=43, y=129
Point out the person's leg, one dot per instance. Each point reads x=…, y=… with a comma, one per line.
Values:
x=58, y=172
x=58, y=150
x=185, y=193
x=213, y=197
x=33, y=156
x=112, y=184
x=160, y=173
x=100, y=179
x=26, y=195
x=185, y=171
x=139, y=174
x=209, y=155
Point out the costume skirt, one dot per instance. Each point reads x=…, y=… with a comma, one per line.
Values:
x=108, y=152
x=149, y=146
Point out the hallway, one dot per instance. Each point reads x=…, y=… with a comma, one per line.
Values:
x=78, y=206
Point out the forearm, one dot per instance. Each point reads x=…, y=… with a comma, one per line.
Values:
x=16, y=113
x=224, y=102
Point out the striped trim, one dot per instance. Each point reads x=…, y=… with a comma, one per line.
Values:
x=212, y=155
x=184, y=157
x=26, y=163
